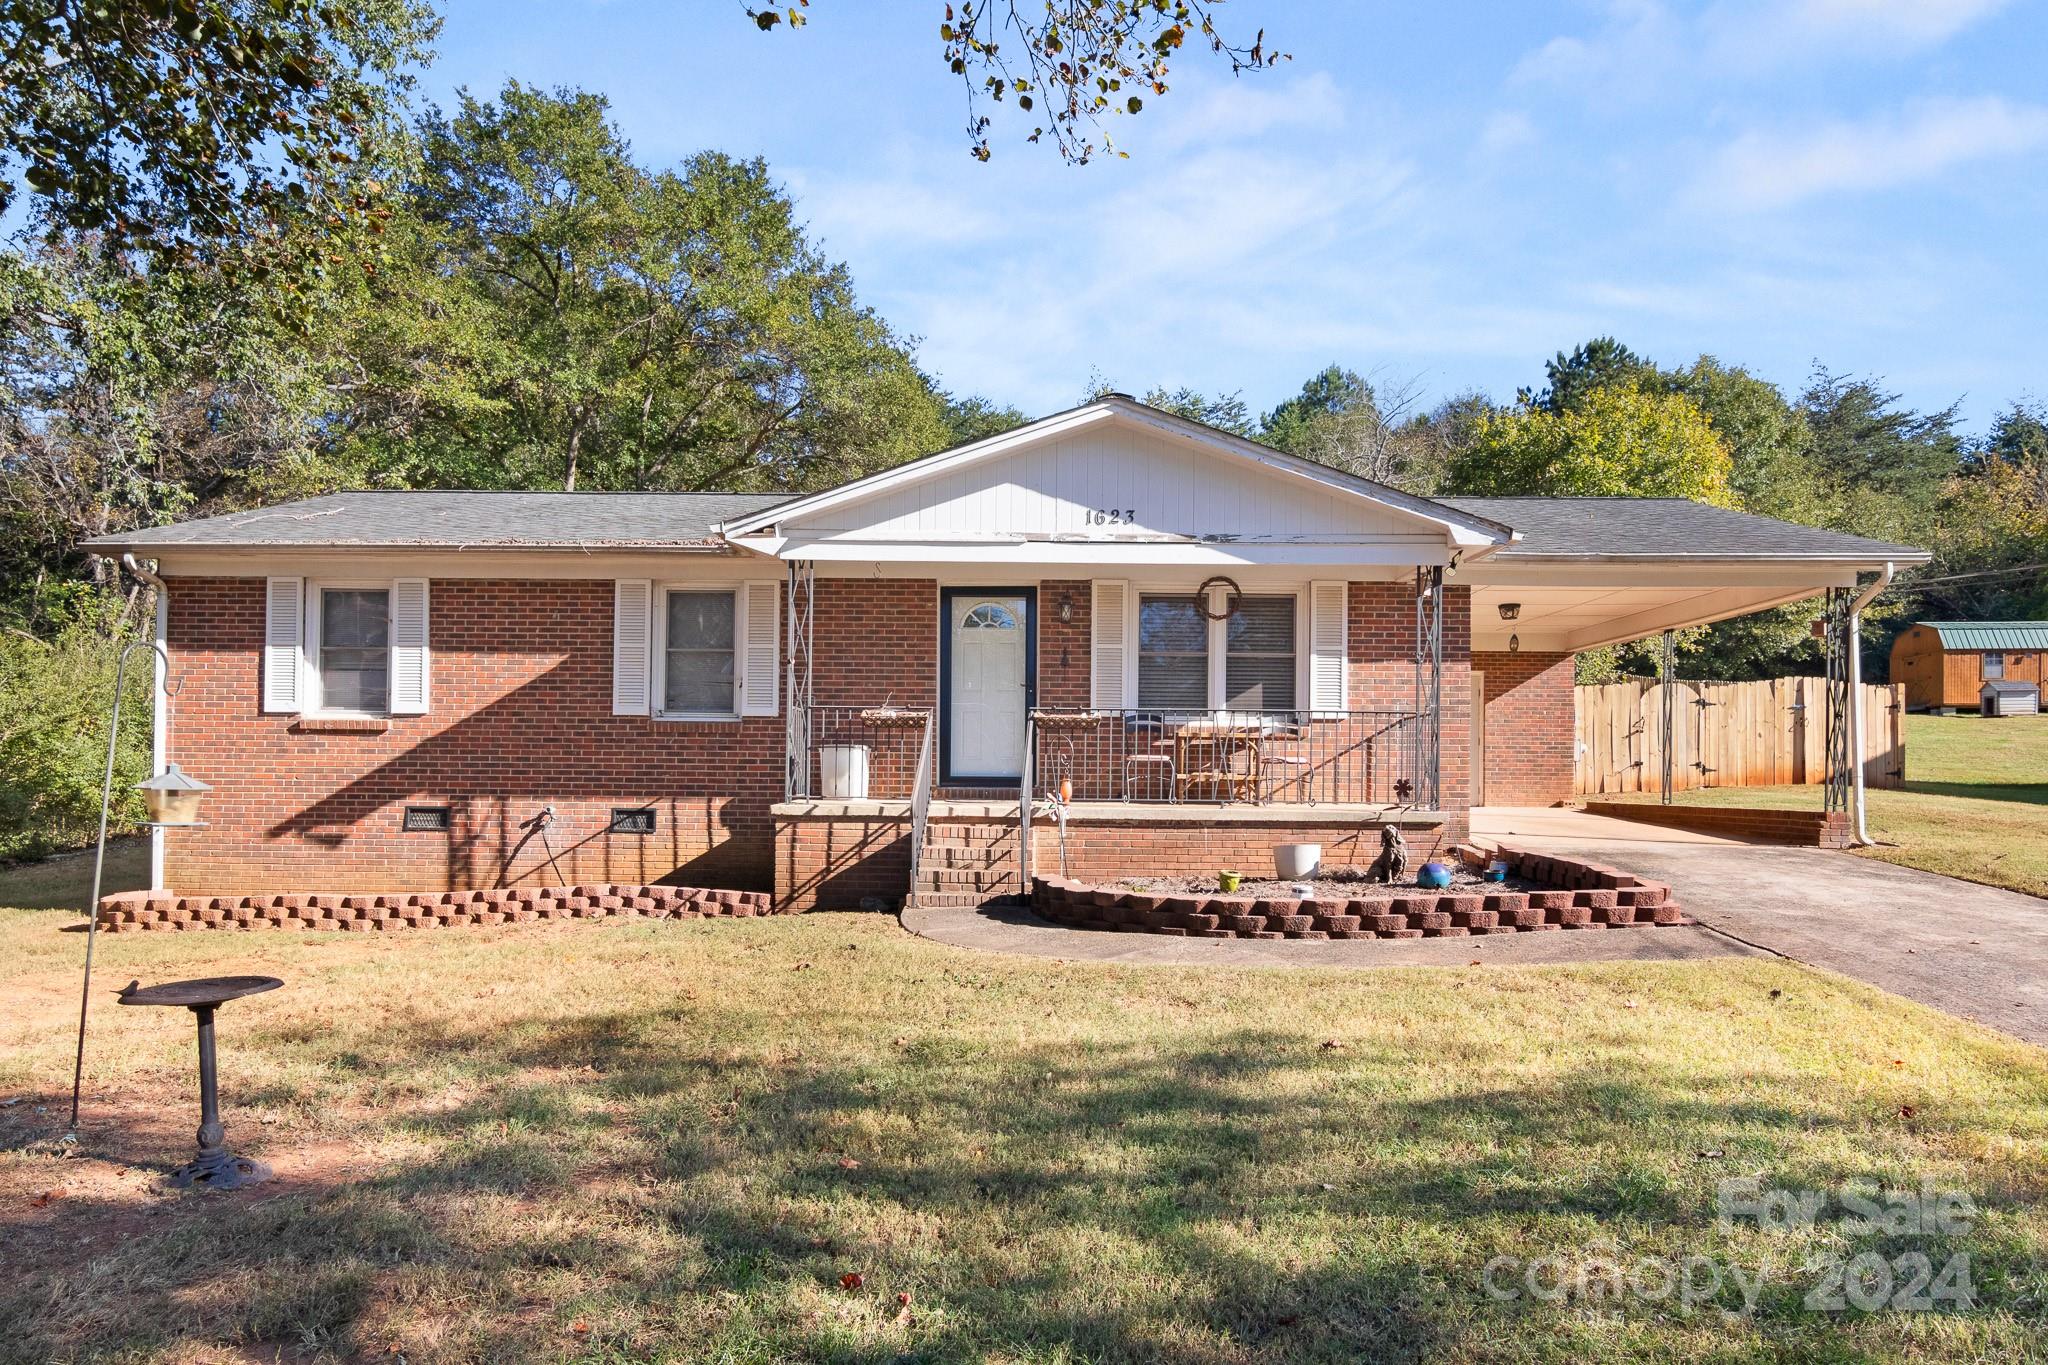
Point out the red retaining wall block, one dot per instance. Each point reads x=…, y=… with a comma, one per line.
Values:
x=136, y=910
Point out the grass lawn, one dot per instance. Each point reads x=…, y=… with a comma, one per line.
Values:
x=630, y=1141
x=65, y=881
x=1975, y=804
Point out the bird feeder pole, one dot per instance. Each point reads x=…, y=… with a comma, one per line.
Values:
x=173, y=800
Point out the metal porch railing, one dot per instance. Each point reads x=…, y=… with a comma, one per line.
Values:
x=1230, y=757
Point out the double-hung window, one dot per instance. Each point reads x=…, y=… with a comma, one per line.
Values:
x=1173, y=654
x=1246, y=661
x=352, y=654
x=1993, y=665
x=699, y=634
x=1259, y=658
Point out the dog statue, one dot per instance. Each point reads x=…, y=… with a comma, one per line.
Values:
x=1392, y=864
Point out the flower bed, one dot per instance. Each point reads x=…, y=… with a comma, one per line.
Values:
x=1583, y=895
x=142, y=910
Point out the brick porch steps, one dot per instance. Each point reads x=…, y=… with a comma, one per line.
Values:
x=966, y=863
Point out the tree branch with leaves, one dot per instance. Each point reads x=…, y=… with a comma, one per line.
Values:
x=1072, y=64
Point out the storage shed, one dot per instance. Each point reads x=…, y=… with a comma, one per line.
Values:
x=2010, y=699
x=1945, y=664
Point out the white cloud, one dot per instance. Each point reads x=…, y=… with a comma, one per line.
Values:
x=1645, y=48
x=1505, y=132
x=1241, y=108
x=848, y=215
x=1910, y=23
x=1770, y=170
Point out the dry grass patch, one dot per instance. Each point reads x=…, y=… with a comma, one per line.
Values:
x=674, y=1141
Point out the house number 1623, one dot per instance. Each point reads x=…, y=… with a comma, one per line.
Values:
x=1112, y=516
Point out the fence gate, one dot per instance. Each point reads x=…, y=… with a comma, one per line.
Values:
x=1752, y=734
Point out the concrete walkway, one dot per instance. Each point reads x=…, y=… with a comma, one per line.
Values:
x=1974, y=951
x=1542, y=824
x=997, y=930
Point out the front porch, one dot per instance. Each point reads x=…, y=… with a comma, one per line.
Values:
x=844, y=852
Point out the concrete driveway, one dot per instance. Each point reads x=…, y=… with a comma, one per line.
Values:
x=1971, y=950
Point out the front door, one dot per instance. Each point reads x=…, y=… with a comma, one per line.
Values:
x=987, y=664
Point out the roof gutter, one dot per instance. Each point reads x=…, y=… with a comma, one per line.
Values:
x=1859, y=828
x=129, y=562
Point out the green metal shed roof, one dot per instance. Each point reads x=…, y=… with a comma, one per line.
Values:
x=1990, y=634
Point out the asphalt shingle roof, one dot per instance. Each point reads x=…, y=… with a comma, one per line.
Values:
x=437, y=520
x=1624, y=528
x=1990, y=634
x=1664, y=528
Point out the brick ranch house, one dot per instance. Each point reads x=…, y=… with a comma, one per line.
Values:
x=1206, y=646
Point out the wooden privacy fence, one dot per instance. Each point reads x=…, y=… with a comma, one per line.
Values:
x=1750, y=734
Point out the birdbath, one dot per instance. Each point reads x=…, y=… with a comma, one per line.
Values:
x=215, y=1168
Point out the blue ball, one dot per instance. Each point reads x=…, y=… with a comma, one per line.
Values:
x=1434, y=875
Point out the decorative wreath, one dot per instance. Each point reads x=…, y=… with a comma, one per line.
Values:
x=1229, y=602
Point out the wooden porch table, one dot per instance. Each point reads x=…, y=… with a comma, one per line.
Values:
x=1204, y=754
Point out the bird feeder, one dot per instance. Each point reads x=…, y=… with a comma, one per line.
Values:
x=172, y=797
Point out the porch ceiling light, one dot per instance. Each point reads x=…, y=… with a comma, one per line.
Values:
x=1511, y=611
x=173, y=797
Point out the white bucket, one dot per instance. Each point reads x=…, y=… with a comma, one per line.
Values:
x=843, y=771
x=1296, y=862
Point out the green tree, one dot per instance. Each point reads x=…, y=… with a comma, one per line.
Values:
x=1224, y=411
x=1769, y=443
x=182, y=127
x=1881, y=467
x=1599, y=363
x=130, y=397
x=1342, y=419
x=1990, y=531
x=976, y=418
x=1616, y=441
x=558, y=314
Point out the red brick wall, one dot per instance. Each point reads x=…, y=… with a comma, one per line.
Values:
x=1530, y=735
x=1064, y=649
x=1382, y=638
x=1811, y=828
x=833, y=864
x=875, y=640
x=521, y=718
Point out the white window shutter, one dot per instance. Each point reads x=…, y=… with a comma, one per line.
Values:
x=284, y=637
x=409, y=647
x=632, y=646
x=1109, y=652
x=760, y=617
x=1328, y=647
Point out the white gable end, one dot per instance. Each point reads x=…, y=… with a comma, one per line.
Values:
x=1113, y=483
x=1114, y=487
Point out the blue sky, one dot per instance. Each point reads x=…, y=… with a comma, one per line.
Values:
x=1428, y=192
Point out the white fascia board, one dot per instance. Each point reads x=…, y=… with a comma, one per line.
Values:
x=328, y=561
x=1811, y=575
x=918, y=470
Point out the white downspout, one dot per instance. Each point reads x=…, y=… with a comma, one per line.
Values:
x=1859, y=828
x=159, y=703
